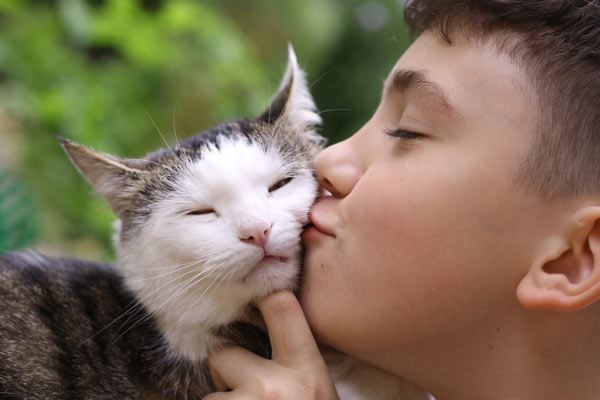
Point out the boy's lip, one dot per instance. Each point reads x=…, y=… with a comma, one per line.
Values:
x=318, y=221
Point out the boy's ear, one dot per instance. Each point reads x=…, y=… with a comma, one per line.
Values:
x=293, y=104
x=111, y=177
x=566, y=275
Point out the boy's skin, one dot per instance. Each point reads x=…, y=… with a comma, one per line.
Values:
x=432, y=263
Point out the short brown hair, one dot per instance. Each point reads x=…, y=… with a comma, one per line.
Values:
x=558, y=45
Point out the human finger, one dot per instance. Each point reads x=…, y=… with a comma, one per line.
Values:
x=292, y=341
x=232, y=366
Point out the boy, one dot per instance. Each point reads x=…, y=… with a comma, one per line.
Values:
x=460, y=246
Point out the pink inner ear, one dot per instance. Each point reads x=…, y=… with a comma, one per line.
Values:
x=574, y=269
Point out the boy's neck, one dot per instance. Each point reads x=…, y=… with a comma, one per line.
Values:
x=543, y=356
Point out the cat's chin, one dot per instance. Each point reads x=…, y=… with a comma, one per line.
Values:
x=271, y=274
x=263, y=266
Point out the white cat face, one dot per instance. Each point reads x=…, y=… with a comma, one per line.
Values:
x=237, y=214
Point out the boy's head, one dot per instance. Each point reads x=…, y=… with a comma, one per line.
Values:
x=469, y=199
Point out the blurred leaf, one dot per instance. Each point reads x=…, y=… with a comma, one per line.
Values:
x=75, y=18
x=17, y=221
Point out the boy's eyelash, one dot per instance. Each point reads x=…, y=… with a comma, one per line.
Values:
x=403, y=134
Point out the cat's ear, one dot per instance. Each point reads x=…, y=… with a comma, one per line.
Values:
x=293, y=104
x=113, y=178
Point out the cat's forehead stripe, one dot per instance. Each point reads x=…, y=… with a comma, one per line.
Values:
x=266, y=135
x=236, y=163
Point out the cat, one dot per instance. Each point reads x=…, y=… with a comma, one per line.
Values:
x=204, y=228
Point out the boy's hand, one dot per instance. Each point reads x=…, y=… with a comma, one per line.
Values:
x=295, y=372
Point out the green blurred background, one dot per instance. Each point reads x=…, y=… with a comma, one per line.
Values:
x=103, y=72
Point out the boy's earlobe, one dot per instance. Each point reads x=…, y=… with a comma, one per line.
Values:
x=566, y=277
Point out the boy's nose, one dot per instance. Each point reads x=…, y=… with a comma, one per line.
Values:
x=337, y=169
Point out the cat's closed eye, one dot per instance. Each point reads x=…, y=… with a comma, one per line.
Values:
x=279, y=184
x=203, y=211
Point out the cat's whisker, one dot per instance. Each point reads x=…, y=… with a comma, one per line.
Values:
x=173, y=271
x=227, y=276
x=158, y=130
x=269, y=83
x=149, y=315
x=129, y=307
x=183, y=287
x=334, y=109
x=215, y=280
x=165, y=284
x=162, y=165
x=320, y=77
x=133, y=304
x=199, y=278
x=145, y=317
x=176, y=293
x=202, y=275
x=153, y=292
x=172, y=266
x=200, y=297
x=174, y=127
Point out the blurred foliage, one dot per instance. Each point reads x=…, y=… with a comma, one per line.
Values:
x=17, y=227
x=119, y=75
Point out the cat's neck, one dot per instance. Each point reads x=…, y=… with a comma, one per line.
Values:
x=188, y=316
x=191, y=342
x=191, y=332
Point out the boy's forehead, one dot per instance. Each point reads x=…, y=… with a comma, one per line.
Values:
x=468, y=76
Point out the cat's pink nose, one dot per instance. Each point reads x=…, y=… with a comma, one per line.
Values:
x=256, y=233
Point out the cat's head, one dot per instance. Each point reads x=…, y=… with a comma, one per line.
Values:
x=217, y=216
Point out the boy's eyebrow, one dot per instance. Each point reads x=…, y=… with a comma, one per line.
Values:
x=404, y=80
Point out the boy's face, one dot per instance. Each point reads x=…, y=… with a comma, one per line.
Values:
x=427, y=237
